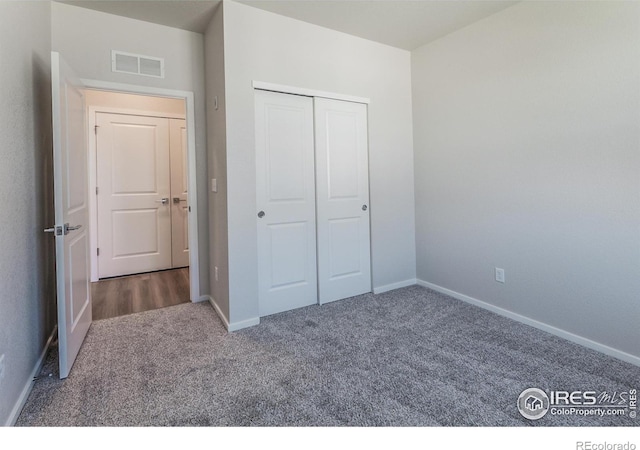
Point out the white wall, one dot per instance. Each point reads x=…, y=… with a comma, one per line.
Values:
x=267, y=47
x=527, y=142
x=27, y=283
x=217, y=158
x=85, y=39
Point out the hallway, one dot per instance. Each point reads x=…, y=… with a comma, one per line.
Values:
x=120, y=296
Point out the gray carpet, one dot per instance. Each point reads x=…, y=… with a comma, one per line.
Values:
x=411, y=357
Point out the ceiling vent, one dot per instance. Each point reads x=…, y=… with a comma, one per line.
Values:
x=147, y=66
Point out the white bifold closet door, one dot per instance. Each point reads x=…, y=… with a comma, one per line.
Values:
x=342, y=193
x=312, y=200
x=286, y=202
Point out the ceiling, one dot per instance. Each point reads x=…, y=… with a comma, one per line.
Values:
x=399, y=23
x=192, y=15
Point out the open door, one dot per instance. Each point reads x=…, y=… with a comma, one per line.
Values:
x=71, y=211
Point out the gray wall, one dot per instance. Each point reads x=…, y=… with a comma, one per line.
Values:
x=527, y=157
x=267, y=47
x=27, y=265
x=217, y=153
x=85, y=39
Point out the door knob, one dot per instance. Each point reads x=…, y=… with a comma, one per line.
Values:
x=177, y=200
x=56, y=230
x=164, y=201
x=261, y=214
x=364, y=207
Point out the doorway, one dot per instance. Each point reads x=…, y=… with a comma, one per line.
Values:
x=139, y=181
x=71, y=170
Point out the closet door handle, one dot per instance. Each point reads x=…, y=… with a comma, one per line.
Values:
x=261, y=214
x=364, y=207
x=177, y=200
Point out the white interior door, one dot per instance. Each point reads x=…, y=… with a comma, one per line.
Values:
x=285, y=201
x=134, y=188
x=179, y=188
x=342, y=183
x=71, y=212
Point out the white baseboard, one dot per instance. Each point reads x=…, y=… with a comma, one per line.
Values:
x=393, y=286
x=202, y=298
x=232, y=326
x=24, y=395
x=235, y=326
x=218, y=311
x=536, y=324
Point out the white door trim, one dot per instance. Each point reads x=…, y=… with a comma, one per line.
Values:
x=264, y=86
x=188, y=97
x=134, y=112
x=93, y=204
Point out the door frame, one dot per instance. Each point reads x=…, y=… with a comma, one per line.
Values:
x=188, y=97
x=93, y=167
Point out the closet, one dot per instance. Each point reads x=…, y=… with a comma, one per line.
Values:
x=312, y=200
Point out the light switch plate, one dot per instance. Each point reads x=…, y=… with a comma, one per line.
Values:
x=214, y=185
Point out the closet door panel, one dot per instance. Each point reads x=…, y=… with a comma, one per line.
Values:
x=342, y=183
x=287, y=271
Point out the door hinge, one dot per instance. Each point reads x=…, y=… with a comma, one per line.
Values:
x=96, y=190
x=98, y=251
x=95, y=129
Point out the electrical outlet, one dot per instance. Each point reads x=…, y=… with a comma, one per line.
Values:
x=499, y=275
x=1, y=367
x=215, y=271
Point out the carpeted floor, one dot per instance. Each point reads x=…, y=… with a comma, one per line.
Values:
x=411, y=357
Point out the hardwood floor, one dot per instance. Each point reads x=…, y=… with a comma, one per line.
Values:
x=119, y=296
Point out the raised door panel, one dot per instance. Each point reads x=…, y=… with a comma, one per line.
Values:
x=134, y=158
